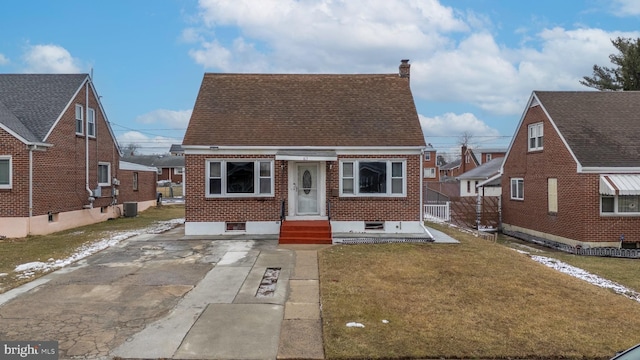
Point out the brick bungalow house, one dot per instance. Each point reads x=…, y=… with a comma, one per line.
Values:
x=59, y=160
x=334, y=153
x=571, y=176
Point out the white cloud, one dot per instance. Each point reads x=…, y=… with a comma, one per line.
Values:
x=451, y=124
x=499, y=80
x=626, y=7
x=3, y=60
x=175, y=118
x=50, y=59
x=147, y=145
x=322, y=35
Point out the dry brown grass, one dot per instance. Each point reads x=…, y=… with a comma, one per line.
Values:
x=14, y=252
x=476, y=299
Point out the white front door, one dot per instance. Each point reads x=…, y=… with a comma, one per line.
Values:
x=306, y=189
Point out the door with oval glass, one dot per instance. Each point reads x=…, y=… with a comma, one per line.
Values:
x=307, y=189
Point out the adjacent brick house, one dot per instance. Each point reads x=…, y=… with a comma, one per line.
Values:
x=430, y=164
x=59, y=160
x=261, y=148
x=169, y=167
x=571, y=176
x=483, y=180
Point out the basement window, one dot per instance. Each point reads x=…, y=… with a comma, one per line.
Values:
x=52, y=217
x=236, y=226
x=374, y=225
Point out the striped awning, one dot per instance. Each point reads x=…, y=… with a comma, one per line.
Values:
x=627, y=184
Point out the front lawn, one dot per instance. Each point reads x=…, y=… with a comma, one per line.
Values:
x=476, y=299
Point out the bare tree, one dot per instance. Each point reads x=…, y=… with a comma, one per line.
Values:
x=131, y=149
x=465, y=139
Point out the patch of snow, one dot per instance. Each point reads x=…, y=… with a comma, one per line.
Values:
x=355, y=324
x=584, y=275
x=29, y=269
x=3, y=274
x=385, y=321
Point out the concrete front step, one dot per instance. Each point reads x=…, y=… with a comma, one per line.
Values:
x=305, y=232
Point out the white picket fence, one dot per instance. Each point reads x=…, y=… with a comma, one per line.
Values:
x=440, y=212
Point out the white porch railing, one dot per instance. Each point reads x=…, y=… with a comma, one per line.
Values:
x=437, y=212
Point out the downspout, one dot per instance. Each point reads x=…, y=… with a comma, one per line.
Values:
x=86, y=145
x=424, y=227
x=30, y=187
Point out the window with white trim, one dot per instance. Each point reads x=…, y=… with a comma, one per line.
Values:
x=488, y=157
x=517, y=189
x=104, y=174
x=536, y=132
x=427, y=156
x=5, y=172
x=91, y=122
x=239, y=178
x=178, y=171
x=373, y=178
x=429, y=172
x=79, y=119
x=135, y=181
x=620, y=204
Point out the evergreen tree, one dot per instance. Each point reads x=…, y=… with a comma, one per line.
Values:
x=625, y=76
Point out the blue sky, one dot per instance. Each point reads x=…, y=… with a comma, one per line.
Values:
x=474, y=62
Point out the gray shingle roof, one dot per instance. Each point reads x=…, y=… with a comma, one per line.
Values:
x=30, y=104
x=483, y=171
x=602, y=128
x=451, y=165
x=304, y=110
x=159, y=161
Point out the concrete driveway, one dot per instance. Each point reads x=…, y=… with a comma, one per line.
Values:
x=168, y=296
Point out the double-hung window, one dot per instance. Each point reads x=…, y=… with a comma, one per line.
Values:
x=5, y=172
x=104, y=174
x=79, y=120
x=620, y=204
x=535, y=136
x=239, y=178
x=91, y=122
x=517, y=189
x=373, y=178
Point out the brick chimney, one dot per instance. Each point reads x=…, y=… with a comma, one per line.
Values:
x=463, y=160
x=405, y=68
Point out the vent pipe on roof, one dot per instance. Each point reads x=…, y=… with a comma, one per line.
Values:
x=405, y=68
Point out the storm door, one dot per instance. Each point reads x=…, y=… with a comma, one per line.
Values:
x=307, y=189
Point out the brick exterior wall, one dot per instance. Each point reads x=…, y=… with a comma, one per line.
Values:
x=198, y=208
x=170, y=175
x=377, y=208
x=59, y=173
x=431, y=163
x=578, y=217
x=146, y=186
x=14, y=202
